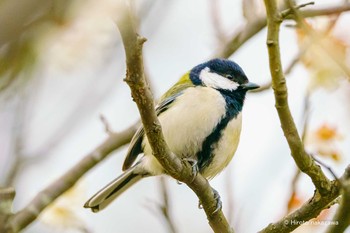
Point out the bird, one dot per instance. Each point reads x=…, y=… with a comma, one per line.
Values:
x=201, y=119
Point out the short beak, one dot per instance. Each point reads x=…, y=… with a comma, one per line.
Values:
x=250, y=86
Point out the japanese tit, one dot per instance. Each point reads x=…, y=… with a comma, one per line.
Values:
x=201, y=118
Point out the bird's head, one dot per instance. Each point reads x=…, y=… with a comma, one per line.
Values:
x=221, y=74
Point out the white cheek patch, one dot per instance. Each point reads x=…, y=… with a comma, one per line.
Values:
x=217, y=81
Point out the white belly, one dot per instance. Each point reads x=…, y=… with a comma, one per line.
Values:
x=188, y=122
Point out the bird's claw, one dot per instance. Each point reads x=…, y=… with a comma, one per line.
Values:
x=194, y=165
x=217, y=199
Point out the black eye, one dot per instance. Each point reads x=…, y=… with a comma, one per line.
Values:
x=229, y=76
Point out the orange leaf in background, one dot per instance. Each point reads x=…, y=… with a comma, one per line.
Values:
x=324, y=142
x=294, y=202
x=336, y=156
x=324, y=70
x=326, y=132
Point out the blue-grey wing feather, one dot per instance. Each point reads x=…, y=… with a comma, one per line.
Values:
x=135, y=147
x=164, y=105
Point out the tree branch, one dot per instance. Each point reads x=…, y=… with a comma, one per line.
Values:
x=313, y=207
x=28, y=214
x=178, y=169
x=6, y=199
x=325, y=11
x=253, y=27
x=305, y=162
x=326, y=191
x=316, y=38
x=310, y=209
x=342, y=215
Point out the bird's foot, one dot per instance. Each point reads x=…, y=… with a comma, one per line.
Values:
x=194, y=165
x=217, y=199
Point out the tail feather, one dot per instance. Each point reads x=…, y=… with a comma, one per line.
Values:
x=112, y=190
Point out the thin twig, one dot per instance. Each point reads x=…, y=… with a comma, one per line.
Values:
x=316, y=37
x=327, y=167
x=332, y=10
x=296, y=59
x=306, y=115
x=251, y=28
x=293, y=190
x=106, y=125
x=165, y=206
x=289, y=11
x=342, y=215
x=287, y=71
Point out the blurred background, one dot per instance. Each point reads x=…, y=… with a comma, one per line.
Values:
x=62, y=66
